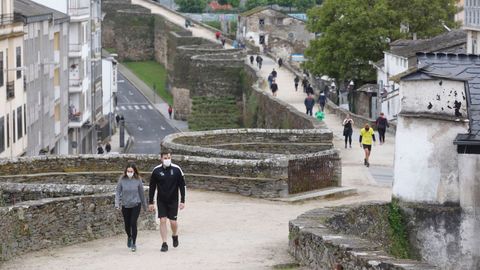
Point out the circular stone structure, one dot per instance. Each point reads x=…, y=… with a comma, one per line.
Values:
x=263, y=162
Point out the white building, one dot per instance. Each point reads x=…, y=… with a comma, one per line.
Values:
x=109, y=90
x=13, y=98
x=84, y=71
x=402, y=57
x=471, y=25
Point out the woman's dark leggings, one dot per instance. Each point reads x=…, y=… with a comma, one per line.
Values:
x=130, y=217
x=348, y=137
x=381, y=133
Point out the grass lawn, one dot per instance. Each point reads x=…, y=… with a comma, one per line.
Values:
x=152, y=73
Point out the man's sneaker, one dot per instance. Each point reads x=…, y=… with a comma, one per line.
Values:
x=134, y=248
x=175, y=240
x=129, y=242
x=365, y=161
x=164, y=247
x=368, y=164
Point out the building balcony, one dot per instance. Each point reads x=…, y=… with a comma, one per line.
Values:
x=6, y=19
x=75, y=50
x=10, y=90
x=75, y=86
x=79, y=10
x=472, y=17
x=78, y=119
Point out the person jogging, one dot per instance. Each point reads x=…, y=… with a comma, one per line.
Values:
x=367, y=135
x=167, y=179
x=382, y=125
x=130, y=197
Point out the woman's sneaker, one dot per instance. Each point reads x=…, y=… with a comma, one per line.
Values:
x=134, y=248
x=129, y=242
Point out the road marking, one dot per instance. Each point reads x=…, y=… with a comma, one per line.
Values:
x=123, y=108
x=143, y=107
x=150, y=107
x=136, y=107
x=162, y=128
x=130, y=107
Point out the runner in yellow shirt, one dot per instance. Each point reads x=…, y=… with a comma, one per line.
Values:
x=367, y=135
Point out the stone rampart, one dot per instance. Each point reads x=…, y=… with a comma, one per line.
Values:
x=347, y=238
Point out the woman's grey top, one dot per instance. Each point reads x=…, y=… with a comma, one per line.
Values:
x=130, y=193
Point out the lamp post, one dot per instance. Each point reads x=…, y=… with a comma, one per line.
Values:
x=333, y=87
x=351, y=96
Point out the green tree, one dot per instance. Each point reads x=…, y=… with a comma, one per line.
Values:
x=191, y=6
x=286, y=3
x=354, y=32
x=250, y=4
x=303, y=5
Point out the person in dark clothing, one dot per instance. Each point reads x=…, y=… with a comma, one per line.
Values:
x=280, y=62
x=170, y=111
x=259, y=60
x=274, y=88
x=108, y=147
x=274, y=73
x=223, y=40
x=382, y=125
x=100, y=149
x=348, y=130
x=270, y=80
x=304, y=84
x=322, y=100
x=296, y=81
x=309, y=89
x=129, y=197
x=309, y=103
x=251, y=59
x=167, y=179
x=117, y=118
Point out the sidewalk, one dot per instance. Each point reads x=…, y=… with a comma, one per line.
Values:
x=151, y=96
x=354, y=173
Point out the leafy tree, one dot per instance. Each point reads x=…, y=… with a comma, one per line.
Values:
x=354, y=32
x=191, y=6
x=234, y=3
x=250, y=4
x=286, y=3
x=303, y=5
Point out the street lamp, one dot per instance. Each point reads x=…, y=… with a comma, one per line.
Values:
x=351, y=96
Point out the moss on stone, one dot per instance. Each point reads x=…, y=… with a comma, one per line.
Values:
x=400, y=246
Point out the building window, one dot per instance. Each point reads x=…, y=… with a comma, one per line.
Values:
x=261, y=39
x=261, y=23
x=8, y=130
x=19, y=122
x=2, y=134
x=19, y=62
x=1, y=69
x=13, y=126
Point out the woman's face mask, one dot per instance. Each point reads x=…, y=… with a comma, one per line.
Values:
x=130, y=174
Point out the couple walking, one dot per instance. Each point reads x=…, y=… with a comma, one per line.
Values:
x=167, y=179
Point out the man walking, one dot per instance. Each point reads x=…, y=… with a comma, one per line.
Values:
x=296, y=81
x=167, y=179
x=251, y=59
x=309, y=103
x=259, y=60
x=366, y=137
x=322, y=99
x=382, y=125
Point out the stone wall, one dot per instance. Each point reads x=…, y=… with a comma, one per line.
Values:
x=325, y=239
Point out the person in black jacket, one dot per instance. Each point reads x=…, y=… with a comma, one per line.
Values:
x=309, y=103
x=167, y=179
x=382, y=125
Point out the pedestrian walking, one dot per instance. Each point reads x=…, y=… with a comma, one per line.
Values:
x=274, y=73
x=270, y=80
x=309, y=89
x=108, y=147
x=251, y=59
x=100, y=149
x=168, y=180
x=274, y=88
x=348, y=130
x=223, y=40
x=217, y=35
x=170, y=111
x=304, y=83
x=280, y=62
x=322, y=100
x=296, y=81
x=117, y=118
x=367, y=137
x=129, y=198
x=382, y=125
x=309, y=103
x=259, y=60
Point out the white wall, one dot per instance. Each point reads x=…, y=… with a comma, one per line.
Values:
x=107, y=86
x=425, y=168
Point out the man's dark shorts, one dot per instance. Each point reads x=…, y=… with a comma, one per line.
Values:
x=367, y=146
x=167, y=209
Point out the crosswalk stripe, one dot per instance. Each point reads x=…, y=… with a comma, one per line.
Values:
x=143, y=107
x=130, y=107
x=136, y=107
x=123, y=108
x=150, y=107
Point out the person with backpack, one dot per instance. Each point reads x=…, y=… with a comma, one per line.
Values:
x=309, y=103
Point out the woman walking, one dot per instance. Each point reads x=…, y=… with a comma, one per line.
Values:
x=348, y=130
x=382, y=125
x=130, y=197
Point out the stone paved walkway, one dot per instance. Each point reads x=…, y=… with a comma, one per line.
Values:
x=225, y=231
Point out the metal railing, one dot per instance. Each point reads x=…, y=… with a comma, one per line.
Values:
x=6, y=18
x=10, y=90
